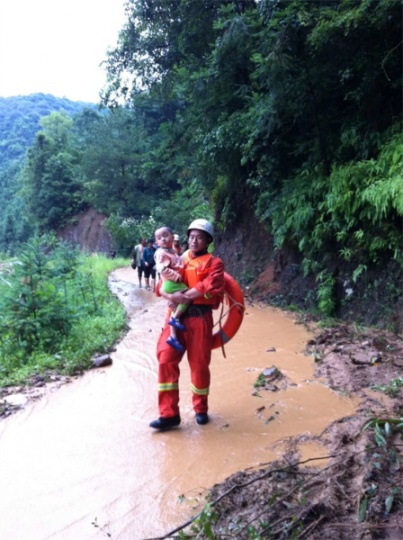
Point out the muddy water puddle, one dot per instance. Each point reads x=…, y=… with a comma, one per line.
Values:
x=82, y=463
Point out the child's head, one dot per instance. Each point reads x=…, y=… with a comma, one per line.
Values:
x=164, y=237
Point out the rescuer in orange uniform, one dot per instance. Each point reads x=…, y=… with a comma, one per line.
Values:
x=204, y=275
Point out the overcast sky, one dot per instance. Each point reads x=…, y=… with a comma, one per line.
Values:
x=56, y=46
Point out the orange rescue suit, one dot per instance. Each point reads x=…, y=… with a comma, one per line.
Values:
x=205, y=274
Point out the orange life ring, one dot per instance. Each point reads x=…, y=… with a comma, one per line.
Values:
x=233, y=298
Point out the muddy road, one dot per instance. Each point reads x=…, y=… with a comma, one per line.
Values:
x=82, y=463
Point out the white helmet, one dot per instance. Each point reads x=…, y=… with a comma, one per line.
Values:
x=202, y=225
x=176, y=237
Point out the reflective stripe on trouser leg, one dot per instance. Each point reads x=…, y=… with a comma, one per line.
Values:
x=168, y=376
x=200, y=399
x=199, y=340
x=200, y=391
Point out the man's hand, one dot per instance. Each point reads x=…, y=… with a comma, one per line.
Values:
x=179, y=298
x=172, y=306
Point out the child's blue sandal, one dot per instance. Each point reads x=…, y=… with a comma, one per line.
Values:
x=177, y=324
x=174, y=343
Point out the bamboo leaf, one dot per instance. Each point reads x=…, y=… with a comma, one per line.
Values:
x=363, y=509
x=389, y=503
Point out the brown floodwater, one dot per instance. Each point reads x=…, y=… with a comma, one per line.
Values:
x=81, y=463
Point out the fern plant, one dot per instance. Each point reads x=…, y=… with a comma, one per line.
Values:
x=356, y=212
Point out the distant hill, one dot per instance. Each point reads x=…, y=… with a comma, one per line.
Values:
x=19, y=122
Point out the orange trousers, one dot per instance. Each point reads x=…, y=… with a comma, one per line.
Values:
x=197, y=341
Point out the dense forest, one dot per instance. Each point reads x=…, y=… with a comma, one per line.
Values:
x=286, y=112
x=20, y=121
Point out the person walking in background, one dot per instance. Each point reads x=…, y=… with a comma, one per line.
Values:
x=148, y=262
x=185, y=246
x=204, y=275
x=176, y=244
x=137, y=259
x=169, y=267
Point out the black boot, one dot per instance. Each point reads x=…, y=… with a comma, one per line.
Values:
x=202, y=418
x=164, y=424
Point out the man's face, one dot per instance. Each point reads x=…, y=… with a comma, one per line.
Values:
x=197, y=240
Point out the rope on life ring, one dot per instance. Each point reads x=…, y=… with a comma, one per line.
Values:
x=234, y=300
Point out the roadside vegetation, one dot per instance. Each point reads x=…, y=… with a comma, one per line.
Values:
x=56, y=311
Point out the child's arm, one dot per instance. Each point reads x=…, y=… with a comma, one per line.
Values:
x=170, y=274
x=163, y=262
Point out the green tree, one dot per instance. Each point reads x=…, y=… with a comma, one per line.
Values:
x=35, y=308
x=112, y=163
x=283, y=112
x=193, y=58
x=51, y=179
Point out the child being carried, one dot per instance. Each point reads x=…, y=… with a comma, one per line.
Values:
x=168, y=265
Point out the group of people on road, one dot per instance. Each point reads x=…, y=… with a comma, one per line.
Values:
x=143, y=260
x=193, y=283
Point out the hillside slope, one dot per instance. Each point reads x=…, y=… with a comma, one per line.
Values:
x=19, y=121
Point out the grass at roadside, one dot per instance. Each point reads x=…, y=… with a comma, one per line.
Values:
x=57, y=313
